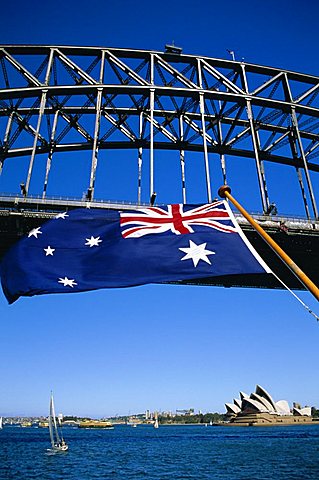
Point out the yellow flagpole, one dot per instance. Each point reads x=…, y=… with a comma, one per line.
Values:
x=225, y=192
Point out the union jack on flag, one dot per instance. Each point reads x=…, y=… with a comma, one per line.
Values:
x=176, y=219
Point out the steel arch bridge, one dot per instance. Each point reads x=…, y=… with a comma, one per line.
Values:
x=58, y=100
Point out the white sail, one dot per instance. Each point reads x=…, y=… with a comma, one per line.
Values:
x=57, y=438
x=57, y=442
x=0, y=422
x=156, y=421
x=51, y=421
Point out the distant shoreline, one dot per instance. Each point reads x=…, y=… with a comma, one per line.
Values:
x=274, y=424
x=226, y=424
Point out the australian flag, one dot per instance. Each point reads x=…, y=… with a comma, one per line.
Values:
x=89, y=249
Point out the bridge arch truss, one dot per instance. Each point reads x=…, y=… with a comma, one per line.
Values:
x=57, y=99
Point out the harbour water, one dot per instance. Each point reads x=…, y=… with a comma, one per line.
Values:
x=169, y=452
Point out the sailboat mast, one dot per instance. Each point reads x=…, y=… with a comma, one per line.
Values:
x=50, y=421
x=54, y=423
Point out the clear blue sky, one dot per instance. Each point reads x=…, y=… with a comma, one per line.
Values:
x=161, y=347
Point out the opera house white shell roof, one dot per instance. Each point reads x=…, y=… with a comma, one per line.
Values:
x=262, y=402
x=302, y=411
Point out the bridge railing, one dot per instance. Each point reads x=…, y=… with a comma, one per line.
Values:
x=35, y=203
x=282, y=222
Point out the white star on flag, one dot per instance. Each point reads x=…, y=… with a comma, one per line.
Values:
x=67, y=282
x=35, y=232
x=196, y=253
x=93, y=242
x=61, y=215
x=49, y=251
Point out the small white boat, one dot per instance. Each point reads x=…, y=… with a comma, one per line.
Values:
x=58, y=443
x=156, y=425
x=1, y=422
x=131, y=422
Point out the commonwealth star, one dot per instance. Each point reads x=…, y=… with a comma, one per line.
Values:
x=196, y=253
x=67, y=282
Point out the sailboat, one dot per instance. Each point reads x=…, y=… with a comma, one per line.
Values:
x=1, y=422
x=58, y=443
x=156, y=421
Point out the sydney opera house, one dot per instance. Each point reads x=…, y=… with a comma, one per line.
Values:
x=259, y=408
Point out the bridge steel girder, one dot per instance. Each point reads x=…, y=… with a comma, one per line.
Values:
x=60, y=99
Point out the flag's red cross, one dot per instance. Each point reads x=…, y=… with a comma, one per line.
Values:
x=158, y=220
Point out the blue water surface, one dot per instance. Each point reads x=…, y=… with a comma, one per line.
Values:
x=170, y=452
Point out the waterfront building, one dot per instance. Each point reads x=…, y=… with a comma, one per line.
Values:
x=259, y=408
x=189, y=411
